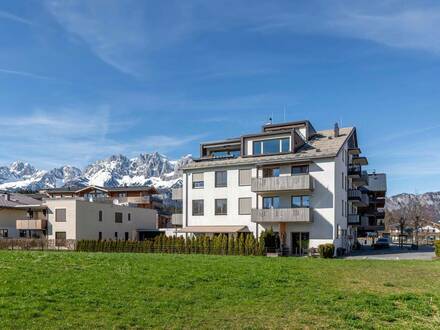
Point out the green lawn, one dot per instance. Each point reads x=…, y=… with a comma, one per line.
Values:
x=86, y=290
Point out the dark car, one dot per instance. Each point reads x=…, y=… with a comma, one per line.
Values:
x=382, y=243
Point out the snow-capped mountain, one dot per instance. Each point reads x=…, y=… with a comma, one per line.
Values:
x=430, y=202
x=117, y=170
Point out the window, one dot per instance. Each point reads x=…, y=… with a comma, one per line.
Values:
x=244, y=177
x=198, y=180
x=244, y=206
x=221, y=207
x=100, y=236
x=3, y=233
x=118, y=217
x=271, y=202
x=226, y=154
x=301, y=169
x=343, y=181
x=129, y=217
x=300, y=201
x=100, y=216
x=221, y=179
x=198, y=207
x=126, y=236
x=271, y=172
x=338, y=231
x=273, y=146
x=60, y=215
x=60, y=238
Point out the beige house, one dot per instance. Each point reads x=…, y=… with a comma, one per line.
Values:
x=74, y=218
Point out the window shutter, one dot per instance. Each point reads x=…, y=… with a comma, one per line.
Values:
x=244, y=206
x=197, y=177
x=245, y=177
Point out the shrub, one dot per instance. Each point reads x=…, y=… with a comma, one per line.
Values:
x=437, y=248
x=326, y=250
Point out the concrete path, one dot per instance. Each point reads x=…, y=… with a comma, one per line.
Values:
x=394, y=253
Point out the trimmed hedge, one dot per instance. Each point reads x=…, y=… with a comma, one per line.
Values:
x=326, y=250
x=244, y=245
x=437, y=248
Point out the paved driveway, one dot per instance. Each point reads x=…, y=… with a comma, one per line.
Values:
x=394, y=253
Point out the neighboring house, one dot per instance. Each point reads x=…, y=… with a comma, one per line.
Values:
x=18, y=210
x=140, y=196
x=75, y=216
x=307, y=185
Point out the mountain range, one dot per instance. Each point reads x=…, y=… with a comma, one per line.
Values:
x=145, y=169
x=117, y=170
x=429, y=201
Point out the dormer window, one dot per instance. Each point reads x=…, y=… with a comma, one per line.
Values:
x=272, y=146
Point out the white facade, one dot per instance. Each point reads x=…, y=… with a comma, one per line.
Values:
x=312, y=208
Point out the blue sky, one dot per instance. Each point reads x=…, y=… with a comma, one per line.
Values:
x=81, y=80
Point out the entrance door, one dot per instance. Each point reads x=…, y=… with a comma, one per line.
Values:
x=300, y=243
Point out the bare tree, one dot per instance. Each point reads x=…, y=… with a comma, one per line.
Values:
x=416, y=218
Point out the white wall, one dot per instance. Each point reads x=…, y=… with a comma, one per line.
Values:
x=322, y=202
x=210, y=193
x=82, y=219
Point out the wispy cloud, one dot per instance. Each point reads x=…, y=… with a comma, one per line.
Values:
x=413, y=25
x=15, y=18
x=120, y=33
x=25, y=74
x=77, y=137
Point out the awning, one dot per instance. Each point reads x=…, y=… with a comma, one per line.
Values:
x=215, y=229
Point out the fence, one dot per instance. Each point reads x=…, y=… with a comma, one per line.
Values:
x=36, y=244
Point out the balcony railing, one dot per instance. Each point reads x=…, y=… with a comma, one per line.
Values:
x=31, y=224
x=354, y=170
x=177, y=194
x=177, y=219
x=358, y=197
x=300, y=182
x=362, y=180
x=282, y=215
x=354, y=219
x=359, y=160
x=134, y=200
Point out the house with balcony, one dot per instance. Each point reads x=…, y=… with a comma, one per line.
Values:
x=306, y=185
x=84, y=213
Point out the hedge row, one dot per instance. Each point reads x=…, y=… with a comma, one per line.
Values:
x=221, y=245
x=437, y=248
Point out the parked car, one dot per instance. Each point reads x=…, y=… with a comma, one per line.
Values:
x=382, y=243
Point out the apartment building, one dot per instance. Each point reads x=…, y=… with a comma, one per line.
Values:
x=89, y=214
x=299, y=181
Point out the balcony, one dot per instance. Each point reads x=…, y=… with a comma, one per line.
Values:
x=292, y=215
x=31, y=224
x=177, y=219
x=358, y=198
x=354, y=219
x=358, y=160
x=177, y=194
x=354, y=171
x=361, y=180
x=134, y=200
x=300, y=183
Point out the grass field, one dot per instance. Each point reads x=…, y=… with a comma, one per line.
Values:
x=82, y=290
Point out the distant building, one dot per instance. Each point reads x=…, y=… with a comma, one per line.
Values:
x=85, y=213
x=308, y=185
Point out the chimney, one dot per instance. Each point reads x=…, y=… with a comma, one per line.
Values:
x=336, y=130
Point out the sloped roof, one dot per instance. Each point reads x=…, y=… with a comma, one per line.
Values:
x=321, y=145
x=16, y=200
